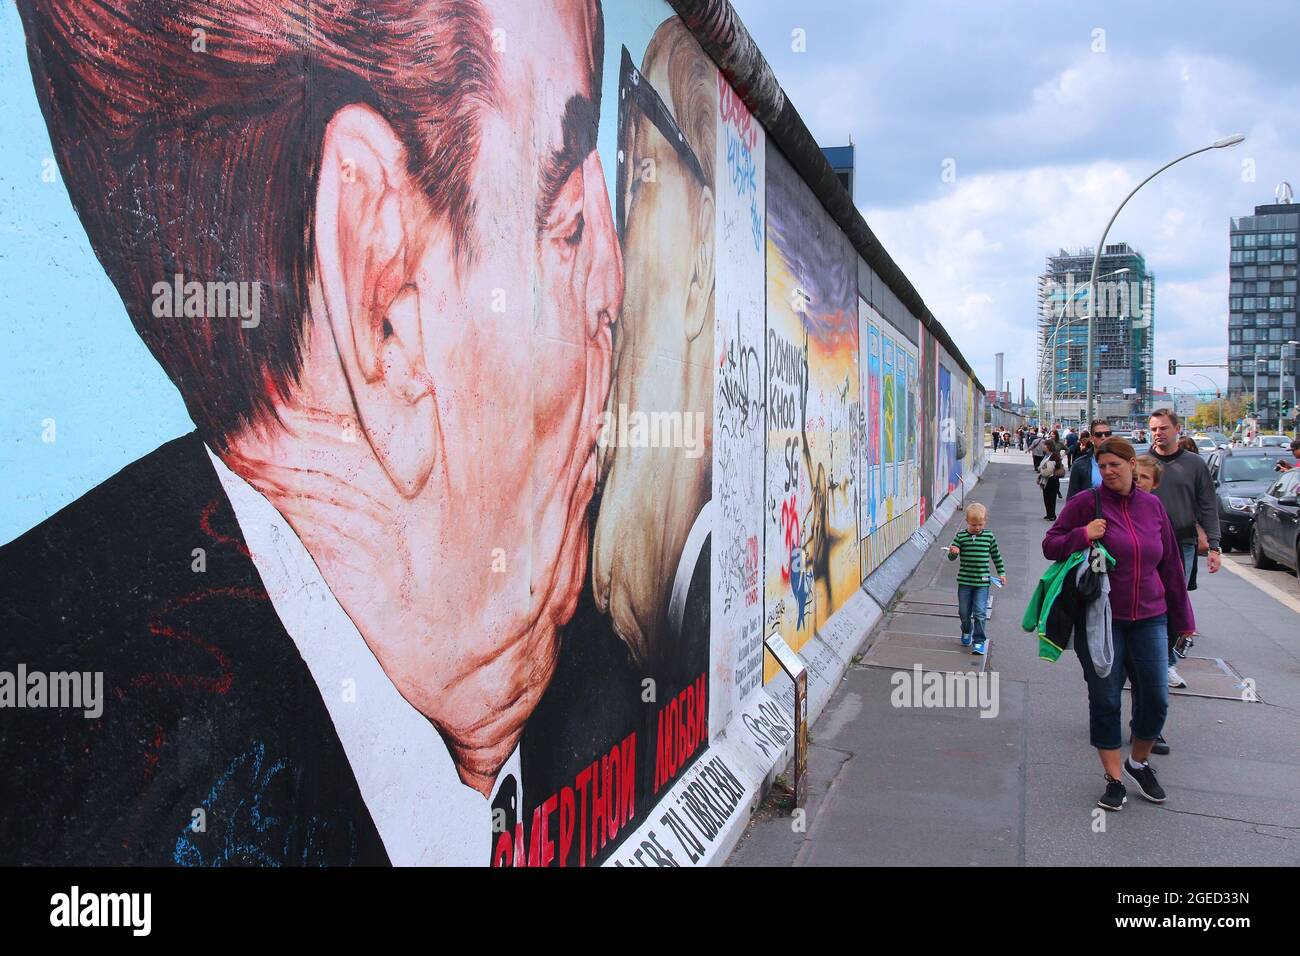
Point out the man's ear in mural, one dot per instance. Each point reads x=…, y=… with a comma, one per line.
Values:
x=367, y=212
x=699, y=297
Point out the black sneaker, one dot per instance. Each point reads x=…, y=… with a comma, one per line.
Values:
x=1145, y=778
x=1160, y=748
x=1115, y=796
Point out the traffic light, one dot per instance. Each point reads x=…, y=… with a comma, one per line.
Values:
x=1286, y=407
x=1173, y=366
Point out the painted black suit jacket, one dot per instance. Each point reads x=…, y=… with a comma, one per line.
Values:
x=214, y=747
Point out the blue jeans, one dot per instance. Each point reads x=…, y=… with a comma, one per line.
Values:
x=973, y=609
x=1139, y=655
x=1188, y=553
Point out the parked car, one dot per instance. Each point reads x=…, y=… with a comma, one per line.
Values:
x=1271, y=441
x=1209, y=441
x=1240, y=476
x=1275, y=536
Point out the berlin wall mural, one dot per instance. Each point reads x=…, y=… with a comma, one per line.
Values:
x=813, y=403
x=891, y=399
x=504, y=402
x=740, y=429
x=931, y=494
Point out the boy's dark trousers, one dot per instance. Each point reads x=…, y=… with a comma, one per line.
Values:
x=973, y=609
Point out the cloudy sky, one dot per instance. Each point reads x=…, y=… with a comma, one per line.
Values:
x=1052, y=113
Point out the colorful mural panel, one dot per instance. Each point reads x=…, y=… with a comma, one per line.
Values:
x=813, y=410
x=891, y=396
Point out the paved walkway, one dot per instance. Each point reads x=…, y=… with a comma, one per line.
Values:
x=899, y=786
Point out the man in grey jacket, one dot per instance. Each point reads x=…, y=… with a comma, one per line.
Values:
x=1187, y=493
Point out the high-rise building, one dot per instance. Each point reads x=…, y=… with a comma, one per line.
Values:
x=1262, y=307
x=842, y=160
x=1123, y=334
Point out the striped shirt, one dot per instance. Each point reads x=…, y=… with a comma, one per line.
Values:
x=976, y=550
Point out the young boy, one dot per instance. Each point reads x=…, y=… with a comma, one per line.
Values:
x=1148, y=479
x=1148, y=473
x=975, y=547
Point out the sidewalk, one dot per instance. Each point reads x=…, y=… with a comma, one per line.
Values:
x=943, y=786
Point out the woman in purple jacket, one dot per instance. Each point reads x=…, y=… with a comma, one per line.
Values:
x=1146, y=584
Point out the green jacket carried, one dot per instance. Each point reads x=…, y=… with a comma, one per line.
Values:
x=1050, y=615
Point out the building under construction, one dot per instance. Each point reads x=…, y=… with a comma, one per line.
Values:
x=1123, y=334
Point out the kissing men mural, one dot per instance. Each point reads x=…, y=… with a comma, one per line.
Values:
x=391, y=471
x=523, y=374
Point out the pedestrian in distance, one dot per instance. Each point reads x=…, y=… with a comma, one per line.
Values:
x=1036, y=441
x=1079, y=447
x=1283, y=464
x=1148, y=598
x=997, y=438
x=975, y=546
x=1050, y=472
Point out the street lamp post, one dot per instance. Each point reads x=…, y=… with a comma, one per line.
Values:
x=1255, y=387
x=1292, y=346
x=1196, y=398
x=1216, y=388
x=1096, y=259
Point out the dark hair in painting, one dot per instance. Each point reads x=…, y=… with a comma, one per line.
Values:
x=189, y=133
x=692, y=87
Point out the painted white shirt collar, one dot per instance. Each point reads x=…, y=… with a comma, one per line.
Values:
x=423, y=813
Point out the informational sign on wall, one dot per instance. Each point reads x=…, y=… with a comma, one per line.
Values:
x=794, y=669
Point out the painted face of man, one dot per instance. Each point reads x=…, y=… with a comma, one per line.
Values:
x=654, y=489
x=519, y=344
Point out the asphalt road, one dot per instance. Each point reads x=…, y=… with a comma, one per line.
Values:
x=943, y=786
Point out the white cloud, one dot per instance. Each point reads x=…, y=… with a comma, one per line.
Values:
x=1048, y=138
x=974, y=251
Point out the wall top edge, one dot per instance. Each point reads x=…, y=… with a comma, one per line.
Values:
x=719, y=30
